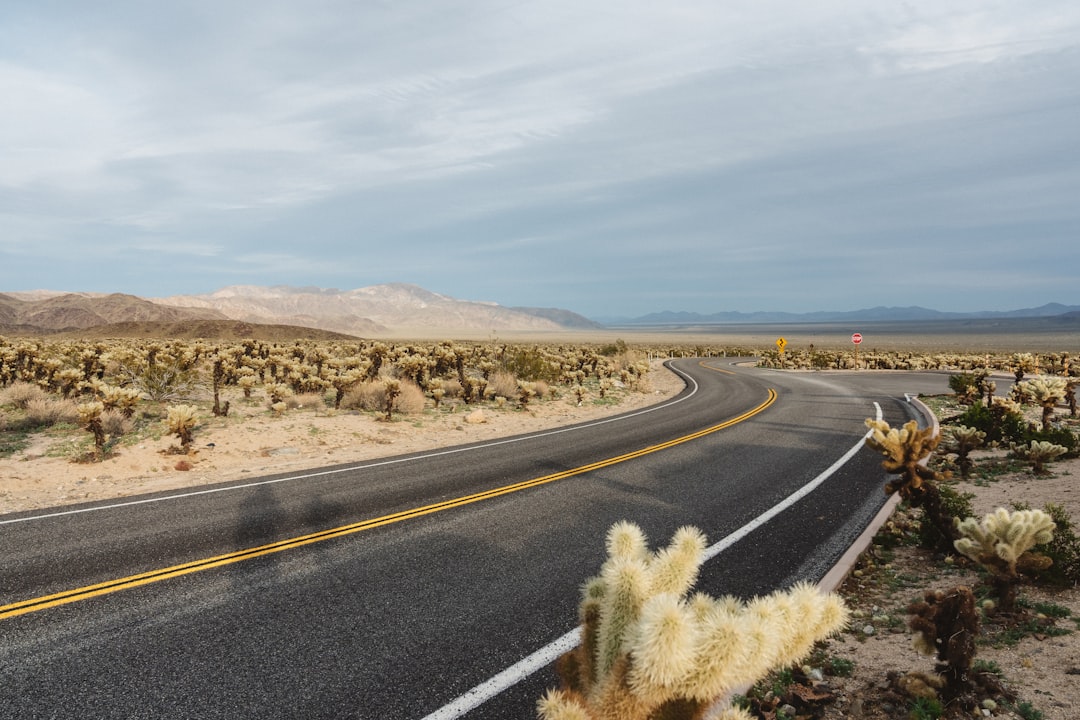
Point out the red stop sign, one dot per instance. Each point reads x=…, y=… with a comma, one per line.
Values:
x=856, y=338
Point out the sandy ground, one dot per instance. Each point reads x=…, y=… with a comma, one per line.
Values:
x=251, y=442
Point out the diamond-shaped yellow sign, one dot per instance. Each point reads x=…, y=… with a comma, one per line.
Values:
x=781, y=343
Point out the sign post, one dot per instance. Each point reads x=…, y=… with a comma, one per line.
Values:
x=857, y=339
x=781, y=343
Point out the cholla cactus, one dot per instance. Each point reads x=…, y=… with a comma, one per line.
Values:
x=391, y=391
x=345, y=381
x=1002, y=406
x=961, y=440
x=526, y=391
x=648, y=651
x=90, y=419
x=1046, y=391
x=277, y=392
x=182, y=420
x=438, y=391
x=904, y=450
x=1039, y=452
x=247, y=382
x=1022, y=363
x=1001, y=544
x=946, y=624
x=122, y=399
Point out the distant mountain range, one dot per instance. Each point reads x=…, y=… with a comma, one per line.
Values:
x=369, y=311
x=877, y=314
x=396, y=309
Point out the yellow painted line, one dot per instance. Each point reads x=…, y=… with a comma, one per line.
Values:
x=132, y=581
x=715, y=369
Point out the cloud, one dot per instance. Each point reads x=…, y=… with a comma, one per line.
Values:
x=692, y=152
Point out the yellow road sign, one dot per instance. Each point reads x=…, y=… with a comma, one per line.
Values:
x=781, y=343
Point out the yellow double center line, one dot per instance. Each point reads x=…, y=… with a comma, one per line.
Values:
x=153, y=576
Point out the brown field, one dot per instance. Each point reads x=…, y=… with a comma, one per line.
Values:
x=955, y=336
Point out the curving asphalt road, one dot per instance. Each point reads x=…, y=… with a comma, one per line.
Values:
x=375, y=591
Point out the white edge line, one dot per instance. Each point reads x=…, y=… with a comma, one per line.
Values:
x=365, y=466
x=509, y=677
x=549, y=653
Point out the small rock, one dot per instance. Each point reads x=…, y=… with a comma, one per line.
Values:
x=284, y=451
x=868, y=630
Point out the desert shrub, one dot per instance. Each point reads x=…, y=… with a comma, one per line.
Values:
x=966, y=386
x=115, y=423
x=1054, y=436
x=48, y=411
x=619, y=347
x=370, y=396
x=411, y=400
x=451, y=388
x=502, y=384
x=1003, y=426
x=530, y=364
x=953, y=505
x=167, y=381
x=21, y=394
x=313, y=401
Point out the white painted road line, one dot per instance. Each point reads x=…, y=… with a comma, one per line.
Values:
x=551, y=652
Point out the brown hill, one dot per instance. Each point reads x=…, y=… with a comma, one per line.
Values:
x=202, y=329
x=73, y=311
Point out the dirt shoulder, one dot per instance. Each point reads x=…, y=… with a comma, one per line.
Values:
x=253, y=441
x=1042, y=668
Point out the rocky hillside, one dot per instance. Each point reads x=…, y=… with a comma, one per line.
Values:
x=78, y=311
x=369, y=310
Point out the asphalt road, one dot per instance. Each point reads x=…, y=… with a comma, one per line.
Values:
x=399, y=599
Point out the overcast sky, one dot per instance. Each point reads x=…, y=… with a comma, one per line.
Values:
x=612, y=158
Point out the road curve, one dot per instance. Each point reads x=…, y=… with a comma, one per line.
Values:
x=399, y=618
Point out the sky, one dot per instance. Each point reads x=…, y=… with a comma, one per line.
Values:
x=611, y=158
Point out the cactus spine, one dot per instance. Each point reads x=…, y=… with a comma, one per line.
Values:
x=650, y=651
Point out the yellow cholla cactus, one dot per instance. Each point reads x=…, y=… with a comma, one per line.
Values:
x=89, y=412
x=649, y=651
x=1047, y=392
x=182, y=420
x=903, y=449
x=1002, y=542
x=1003, y=537
x=1039, y=452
